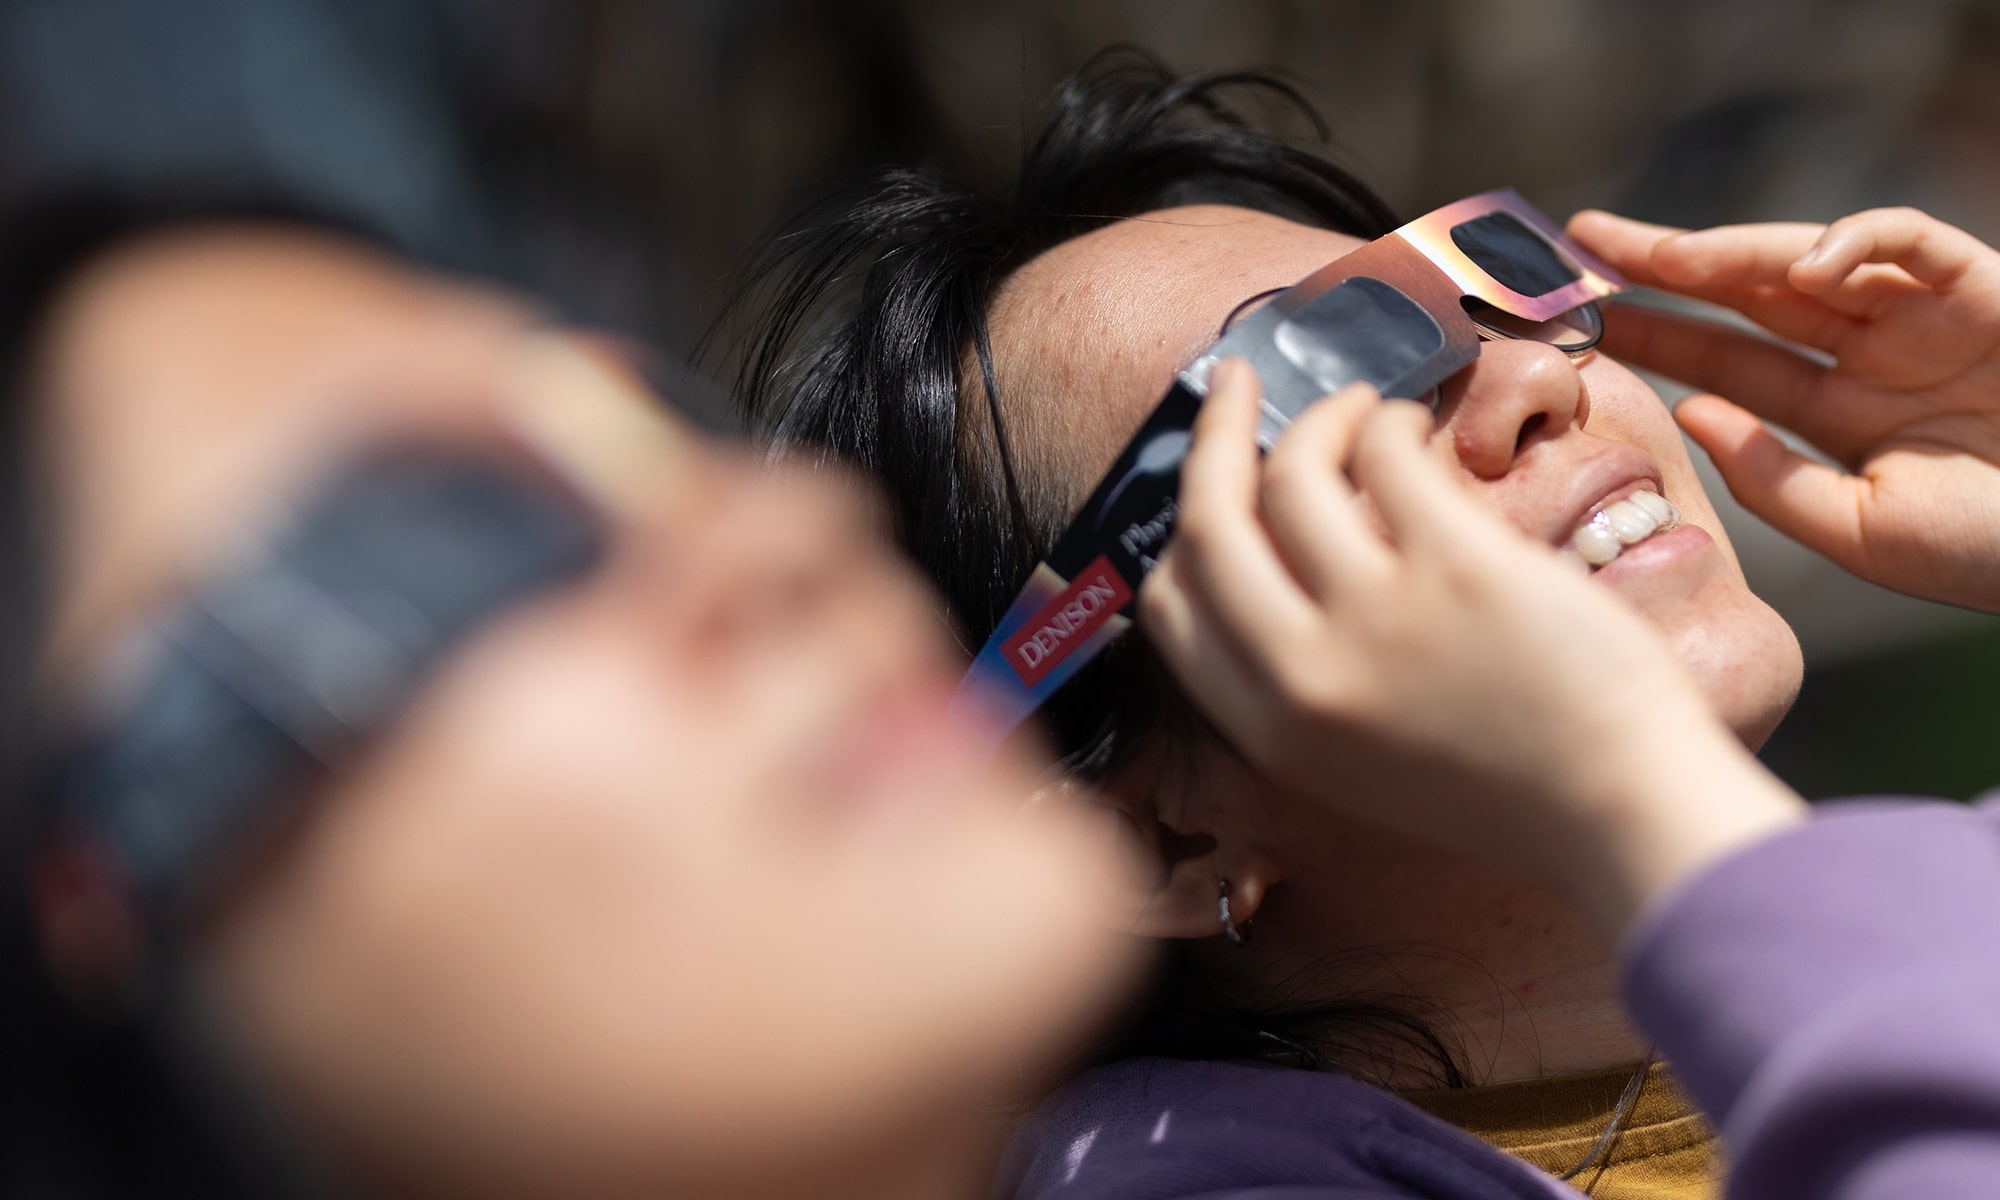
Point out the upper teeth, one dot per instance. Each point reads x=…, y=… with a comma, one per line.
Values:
x=1620, y=524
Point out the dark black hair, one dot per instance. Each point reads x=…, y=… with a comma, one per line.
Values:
x=870, y=345
x=877, y=304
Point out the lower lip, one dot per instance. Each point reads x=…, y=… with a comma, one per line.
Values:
x=1656, y=553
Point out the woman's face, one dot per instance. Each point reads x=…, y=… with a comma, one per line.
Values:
x=677, y=876
x=1089, y=335
x=682, y=869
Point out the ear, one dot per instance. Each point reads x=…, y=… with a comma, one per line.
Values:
x=1188, y=867
x=1185, y=904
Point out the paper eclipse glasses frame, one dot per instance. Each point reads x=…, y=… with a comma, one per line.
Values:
x=1404, y=312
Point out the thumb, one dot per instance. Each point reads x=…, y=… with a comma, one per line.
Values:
x=1806, y=501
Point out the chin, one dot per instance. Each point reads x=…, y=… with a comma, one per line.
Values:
x=1739, y=650
x=1749, y=664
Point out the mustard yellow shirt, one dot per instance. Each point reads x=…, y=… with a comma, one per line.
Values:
x=1666, y=1150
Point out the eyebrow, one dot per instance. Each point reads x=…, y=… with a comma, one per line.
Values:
x=1241, y=308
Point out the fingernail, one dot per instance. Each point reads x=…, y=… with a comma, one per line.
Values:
x=1811, y=256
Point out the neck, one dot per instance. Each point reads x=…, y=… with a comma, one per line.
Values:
x=946, y=1151
x=1501, y=971
x=950, y=1157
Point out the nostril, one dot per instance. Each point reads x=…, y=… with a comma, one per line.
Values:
x=1529, y=428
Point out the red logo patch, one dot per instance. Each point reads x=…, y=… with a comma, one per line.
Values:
x=1047, y=638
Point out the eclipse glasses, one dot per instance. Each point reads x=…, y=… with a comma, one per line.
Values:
x=1404, y=312
x=200, y=734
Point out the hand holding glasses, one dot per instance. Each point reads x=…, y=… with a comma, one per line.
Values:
x=1907, y=308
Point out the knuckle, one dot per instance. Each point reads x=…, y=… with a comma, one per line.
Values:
x=1303, y=683
x=1888, y=217
x=1373, y=451
x=1406, y=421
x=1296, y=692
x=1467, y=585
x=1283, y=477
x=1195, y=529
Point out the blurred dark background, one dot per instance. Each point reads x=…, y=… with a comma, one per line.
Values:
x=617, y=156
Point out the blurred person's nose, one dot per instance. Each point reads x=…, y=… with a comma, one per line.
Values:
x=781, y=551
x=748, y=558
x=729, y=557
x=1517, y=394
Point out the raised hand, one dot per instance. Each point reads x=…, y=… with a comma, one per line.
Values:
x=1517, y=711
x=1908, y=309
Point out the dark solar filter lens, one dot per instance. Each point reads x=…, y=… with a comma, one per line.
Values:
x=1359, y=330
x=1515, y=255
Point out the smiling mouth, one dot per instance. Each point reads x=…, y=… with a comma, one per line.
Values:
x=1605, y=534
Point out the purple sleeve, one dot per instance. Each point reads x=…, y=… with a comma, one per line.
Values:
x=1832, y=997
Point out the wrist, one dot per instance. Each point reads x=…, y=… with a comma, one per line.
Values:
x=1680, y=801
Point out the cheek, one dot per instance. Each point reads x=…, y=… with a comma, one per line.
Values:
x=1624, y=409
x=504, y=902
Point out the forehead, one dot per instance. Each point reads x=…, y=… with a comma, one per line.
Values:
x=1087, y=336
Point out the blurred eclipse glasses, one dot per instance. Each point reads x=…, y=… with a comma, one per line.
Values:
x=1404, y=312
x=202, y=733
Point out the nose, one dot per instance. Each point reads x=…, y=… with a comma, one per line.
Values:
x=1516, y=395
x=747, y=550
x=770, y=557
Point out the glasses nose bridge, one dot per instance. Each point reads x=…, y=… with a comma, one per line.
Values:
x=1574, y=331
x=1493, y=335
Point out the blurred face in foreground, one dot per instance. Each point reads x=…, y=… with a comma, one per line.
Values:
x=674, y=878
x=1089, y=335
